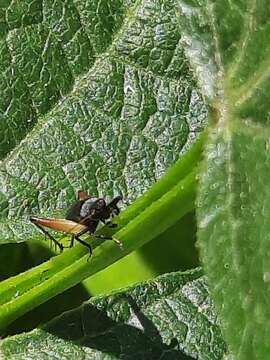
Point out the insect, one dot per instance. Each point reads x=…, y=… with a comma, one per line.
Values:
x=81, y=218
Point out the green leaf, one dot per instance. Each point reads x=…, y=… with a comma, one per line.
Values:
x=112, y=96
x=44, y=48
x=170, y=317
x=229, y=45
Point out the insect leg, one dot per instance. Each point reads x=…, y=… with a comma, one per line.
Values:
x=77, y=237
x=109, y=223
x=72, y=241
x=61, y=247
x=113, y=205
x=105, y=237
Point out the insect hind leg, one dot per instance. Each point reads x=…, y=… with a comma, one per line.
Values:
x=46, y=233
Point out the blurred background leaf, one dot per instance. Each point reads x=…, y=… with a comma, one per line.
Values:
x=229, y=41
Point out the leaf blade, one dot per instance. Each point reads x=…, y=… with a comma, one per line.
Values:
x=144, y=320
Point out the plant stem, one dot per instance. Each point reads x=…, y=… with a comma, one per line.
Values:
x=162, y=214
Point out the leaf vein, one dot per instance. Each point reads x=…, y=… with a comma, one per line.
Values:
x=243, y=42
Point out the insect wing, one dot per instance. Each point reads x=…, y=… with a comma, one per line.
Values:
x=83, y=195
x=67, y=226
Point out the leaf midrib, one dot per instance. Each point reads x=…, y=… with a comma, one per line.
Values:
x=243, y=42
x=241, y=94
x=248, y=90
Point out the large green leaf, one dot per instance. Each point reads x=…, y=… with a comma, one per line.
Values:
x=167, y=318
x=229, y=44
x=112, y=96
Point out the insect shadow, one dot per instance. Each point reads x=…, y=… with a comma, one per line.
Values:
x=91, y=327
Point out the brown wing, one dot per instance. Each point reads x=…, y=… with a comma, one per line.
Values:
x=83, y=195
x=67, y=226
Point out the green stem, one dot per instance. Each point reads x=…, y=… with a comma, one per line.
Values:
x=17, y=285
x=162, y=214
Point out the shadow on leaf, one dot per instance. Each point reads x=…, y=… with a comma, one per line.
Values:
x=132, y=336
